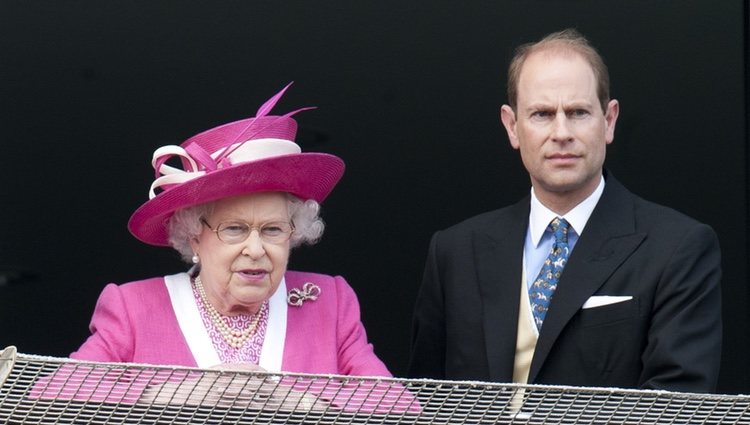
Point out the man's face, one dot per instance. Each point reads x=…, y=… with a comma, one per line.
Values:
x=559, y=126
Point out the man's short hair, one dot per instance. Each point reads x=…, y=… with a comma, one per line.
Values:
x=565, y=41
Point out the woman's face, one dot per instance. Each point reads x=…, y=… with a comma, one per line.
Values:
x=238, y=278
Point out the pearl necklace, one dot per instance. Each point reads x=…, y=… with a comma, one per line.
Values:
x=234, y=337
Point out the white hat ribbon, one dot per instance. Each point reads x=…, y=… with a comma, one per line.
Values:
x=251, y=150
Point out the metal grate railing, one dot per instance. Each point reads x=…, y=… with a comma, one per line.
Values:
x=47, y=390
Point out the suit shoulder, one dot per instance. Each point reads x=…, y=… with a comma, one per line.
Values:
x=140, y=286
x=511, y=213
x=651, y=214
x=138, y=294
x=648, y=215
x=297, y=279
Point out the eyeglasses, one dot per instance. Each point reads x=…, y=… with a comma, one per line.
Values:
x=234, y=232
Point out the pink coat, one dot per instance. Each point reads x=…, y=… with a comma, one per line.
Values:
x=135, y=322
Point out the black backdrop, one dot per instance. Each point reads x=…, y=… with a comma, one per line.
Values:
x=408, y=95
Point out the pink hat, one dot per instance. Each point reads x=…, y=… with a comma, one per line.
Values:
x=252, y=155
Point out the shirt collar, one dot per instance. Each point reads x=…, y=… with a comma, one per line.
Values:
x=540, y=216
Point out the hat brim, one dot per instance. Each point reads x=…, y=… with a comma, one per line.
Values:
x=305, y=175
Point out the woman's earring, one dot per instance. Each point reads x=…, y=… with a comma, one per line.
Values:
x=196, y=259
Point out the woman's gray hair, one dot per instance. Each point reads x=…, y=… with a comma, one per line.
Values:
x=185, y=224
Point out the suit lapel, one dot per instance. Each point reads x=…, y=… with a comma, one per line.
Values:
x=499, y=255
x=606, y=242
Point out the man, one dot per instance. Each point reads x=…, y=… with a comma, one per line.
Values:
x=582, y=282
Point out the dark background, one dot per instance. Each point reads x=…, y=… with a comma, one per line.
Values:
x=408, y=95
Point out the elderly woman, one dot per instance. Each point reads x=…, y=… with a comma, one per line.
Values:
x=245, y=195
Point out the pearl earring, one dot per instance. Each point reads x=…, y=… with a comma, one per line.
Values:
x=196, y=259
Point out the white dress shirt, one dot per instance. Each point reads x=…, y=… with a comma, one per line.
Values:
x=539, y=241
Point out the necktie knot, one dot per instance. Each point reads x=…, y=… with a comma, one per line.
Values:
x=559, y=227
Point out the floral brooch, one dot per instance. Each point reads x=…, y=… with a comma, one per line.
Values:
x=297, y=296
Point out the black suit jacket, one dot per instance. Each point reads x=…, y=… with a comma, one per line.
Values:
x=668, y=336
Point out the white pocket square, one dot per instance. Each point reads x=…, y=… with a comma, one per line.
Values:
x=600, y=300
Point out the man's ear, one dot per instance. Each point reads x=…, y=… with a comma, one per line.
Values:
x=610, y=119
x=508, y=117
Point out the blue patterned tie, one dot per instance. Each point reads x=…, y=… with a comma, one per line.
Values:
x=541, y=291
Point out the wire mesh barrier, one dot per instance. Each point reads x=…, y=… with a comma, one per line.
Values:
x=46, y=390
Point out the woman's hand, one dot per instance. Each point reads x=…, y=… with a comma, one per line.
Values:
x=238, y=367
x=240, y=390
